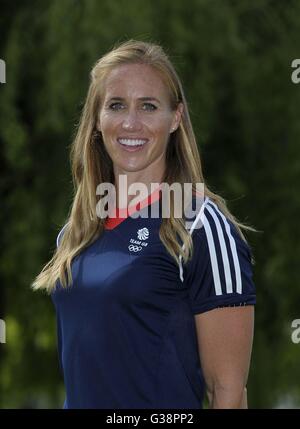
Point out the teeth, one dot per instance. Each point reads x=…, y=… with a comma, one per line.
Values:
x=132, y=142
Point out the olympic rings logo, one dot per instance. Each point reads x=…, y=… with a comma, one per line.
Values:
x=133, y=248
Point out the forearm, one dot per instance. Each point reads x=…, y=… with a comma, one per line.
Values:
x=228, y=398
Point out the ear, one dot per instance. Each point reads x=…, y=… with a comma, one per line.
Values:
x=177, y=117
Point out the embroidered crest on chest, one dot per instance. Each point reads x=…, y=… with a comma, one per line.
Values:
x=136, y=245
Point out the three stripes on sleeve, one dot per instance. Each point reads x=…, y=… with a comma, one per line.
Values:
x=220, y=272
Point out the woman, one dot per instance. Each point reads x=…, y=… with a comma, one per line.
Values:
x=150, y=314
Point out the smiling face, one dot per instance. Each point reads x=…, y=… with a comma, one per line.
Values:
x=136, y=120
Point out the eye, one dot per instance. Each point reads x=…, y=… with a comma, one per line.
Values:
x=146, y=106
x=112, y=106
x=150, y=106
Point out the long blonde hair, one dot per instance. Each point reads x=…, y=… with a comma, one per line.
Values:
x=91, y=165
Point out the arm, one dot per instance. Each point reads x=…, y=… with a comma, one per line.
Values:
x=225, y=337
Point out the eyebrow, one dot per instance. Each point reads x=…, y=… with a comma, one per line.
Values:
x=140, y=98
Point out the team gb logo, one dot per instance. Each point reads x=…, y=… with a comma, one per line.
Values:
x=143, y=234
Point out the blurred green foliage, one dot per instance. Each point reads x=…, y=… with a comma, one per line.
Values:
x=234, y=58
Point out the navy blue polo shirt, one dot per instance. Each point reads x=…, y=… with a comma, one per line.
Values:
x=126, y=330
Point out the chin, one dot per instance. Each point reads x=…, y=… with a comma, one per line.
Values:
x=131, y=169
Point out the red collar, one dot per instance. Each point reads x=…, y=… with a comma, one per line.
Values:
x=122, y=214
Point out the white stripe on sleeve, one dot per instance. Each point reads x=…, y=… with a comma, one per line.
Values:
x=59, y=235
x=223, y=247
x=236, y=263
x=213, y=256
x=199, y=216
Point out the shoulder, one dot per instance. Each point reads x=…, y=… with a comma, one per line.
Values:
x=219, y=272
x=218, y=242
x=211, y=223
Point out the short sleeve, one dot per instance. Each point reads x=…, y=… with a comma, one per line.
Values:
x=220, y=271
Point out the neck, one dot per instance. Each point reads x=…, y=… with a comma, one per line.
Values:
x=139, y=185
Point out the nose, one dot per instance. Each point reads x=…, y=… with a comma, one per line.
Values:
x=131, y=121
